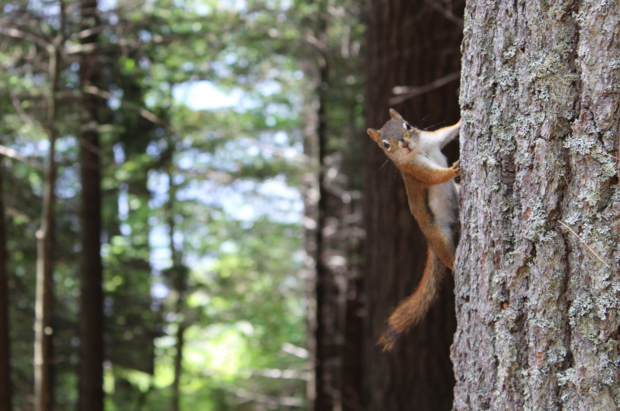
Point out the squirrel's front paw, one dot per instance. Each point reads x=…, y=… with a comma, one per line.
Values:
x=457, y=167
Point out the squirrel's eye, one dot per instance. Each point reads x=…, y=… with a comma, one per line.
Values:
x=407, y=126
x=386, y=144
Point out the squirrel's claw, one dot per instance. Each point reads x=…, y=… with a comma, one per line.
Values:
x=457, y=167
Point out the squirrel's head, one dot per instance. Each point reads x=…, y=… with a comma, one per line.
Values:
x=397, y=137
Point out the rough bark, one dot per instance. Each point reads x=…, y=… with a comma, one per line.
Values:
x=5, y=342
x=409, y=43
x=91, y=271
x=537, y=310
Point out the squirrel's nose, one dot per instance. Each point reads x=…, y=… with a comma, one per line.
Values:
x=403, y=144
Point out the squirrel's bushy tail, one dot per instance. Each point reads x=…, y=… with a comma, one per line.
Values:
x=412, y=310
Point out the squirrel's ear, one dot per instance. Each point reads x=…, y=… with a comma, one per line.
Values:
x=394, y=114
x=374, y=134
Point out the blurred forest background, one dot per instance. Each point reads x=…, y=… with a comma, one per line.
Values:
x=182, y=186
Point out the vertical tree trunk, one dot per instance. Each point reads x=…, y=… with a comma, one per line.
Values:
x=178, y=366
x=537, y=308
x=326, y=315
x=332, y=201
x=351, y=234
x=408, y=44
x=43, y=384
x=91, y=313
x=351, y=353
x=5, y=342
x=178, y=277
x=308, y=273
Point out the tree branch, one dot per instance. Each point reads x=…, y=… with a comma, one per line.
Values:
x=294, y=350
x=20, y=111
x=404, y=93
x=265, y=399
x=447, y=13
x=9, y=152
x=282, y=374
x=19, y=34
x=143, y=112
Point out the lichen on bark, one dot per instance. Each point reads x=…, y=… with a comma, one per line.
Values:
x=537, y=310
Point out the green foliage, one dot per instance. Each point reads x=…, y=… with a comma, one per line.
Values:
x=201, y=208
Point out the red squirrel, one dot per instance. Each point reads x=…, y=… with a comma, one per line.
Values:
x=433, y=201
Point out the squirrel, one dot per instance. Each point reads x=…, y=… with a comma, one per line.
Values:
x=433, y=201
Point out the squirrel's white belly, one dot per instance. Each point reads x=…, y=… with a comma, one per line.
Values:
x=443, y=201
x=437, y=157
x=443, y=198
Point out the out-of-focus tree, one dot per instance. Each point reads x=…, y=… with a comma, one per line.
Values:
x=91, y=270
x=412, y=64
x=6, y=390
x=330, y=50
x=44, y=327
x=174, y=183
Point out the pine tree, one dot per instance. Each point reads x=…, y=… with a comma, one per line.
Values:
x=537, y=271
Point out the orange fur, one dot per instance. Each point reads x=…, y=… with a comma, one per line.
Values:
x=433, y=201
x=415, y=307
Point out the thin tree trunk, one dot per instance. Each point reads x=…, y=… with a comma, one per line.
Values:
x=44, y=331
x=178, y=367
x=351, y=352
x=5, y=342
x=408, y=44
x=326, y=313
x=91, y=301
x=180, y=345
x=350, y=220
x=178, y=276
x=537, y=308
x=309, y=187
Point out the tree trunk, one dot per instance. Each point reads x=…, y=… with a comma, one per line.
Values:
x=308, y=273
x=178, y=366
x=537, y=308
x=351, y=350
x=409, y=43
x=43, y=384
x=178, y=274
x=5, y=342
x=325, y=369
x=91, y=313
